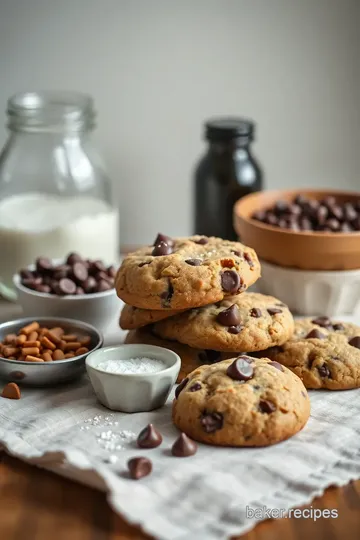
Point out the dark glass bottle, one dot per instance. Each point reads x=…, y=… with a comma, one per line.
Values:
x=226, y=173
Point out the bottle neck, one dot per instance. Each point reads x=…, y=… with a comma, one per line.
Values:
x=218, y=148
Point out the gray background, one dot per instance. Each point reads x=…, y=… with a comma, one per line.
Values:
x=158, y=68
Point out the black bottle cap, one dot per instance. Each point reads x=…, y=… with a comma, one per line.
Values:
x=229, y=128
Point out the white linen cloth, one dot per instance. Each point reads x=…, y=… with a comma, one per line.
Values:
x=204, y=496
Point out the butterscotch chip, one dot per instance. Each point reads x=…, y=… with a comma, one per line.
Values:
x=69, y=337
x=46, y=357
x=54, y=337
x=57, y=331
x=84, y=340
x=31, y=344
x=30, y=328
x=30, y=358
x=48, y=344
x=33, y=336
x=62, y=345
x=72, y=346
x=10, y=339
x=32, y=351
x=10, y=351
x=11, y=391
x=69, y=355
x=82, y=350
x=21, y=339
x=58, y=355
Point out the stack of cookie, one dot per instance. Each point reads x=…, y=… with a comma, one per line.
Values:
x=188, y=295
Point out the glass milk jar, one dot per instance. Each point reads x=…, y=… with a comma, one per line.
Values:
x=55, y=196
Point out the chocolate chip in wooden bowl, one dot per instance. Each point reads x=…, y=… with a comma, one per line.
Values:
x=315, y=334
x=149, y=437
x=273, y=310
x=194, y=262
x=161, y=249
x=267, y=406
x=255, y=312
x=163, y=238
x=240, y=369
x=229, y=316
x=324, y=371
x=230, y=281
x=211, y=422
x=184, y=446
x=355, y=342
x=181, y=387
x=139, y=467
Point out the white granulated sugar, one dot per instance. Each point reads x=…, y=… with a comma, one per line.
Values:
x=133, y=365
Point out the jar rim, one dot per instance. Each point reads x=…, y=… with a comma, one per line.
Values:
x=50, y=110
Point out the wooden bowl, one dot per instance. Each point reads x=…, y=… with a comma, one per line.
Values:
x=306, y=250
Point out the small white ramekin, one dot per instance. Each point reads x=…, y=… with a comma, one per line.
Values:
x=135, y=392
x=314, y=292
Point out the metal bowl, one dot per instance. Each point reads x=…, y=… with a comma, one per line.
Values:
x=47, y=373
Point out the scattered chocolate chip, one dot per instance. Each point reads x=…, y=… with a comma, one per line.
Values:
x=276, y=365
x=338, y=326
x=355, y=342
x=324, y=322
x=273, y=310
x=184, y=446
x=181, y=387
x=324, y=371
x=230, y=281
x=149, y=437
x=195, y=387
x=66, y=286
x=167, y=295
x=161, y=249
x=43, y=265
x=208, y=356
x=240, y=370
x=267, y=406
x=143, y=264
x=139, y=467
x=163, y=238
x=211, y=422
x=235, y=329
x=315, y=334
x=229, y=316
x=72, y=258
x=248, y=259
x=194, y=262
x=255, y=312
x=202, y=241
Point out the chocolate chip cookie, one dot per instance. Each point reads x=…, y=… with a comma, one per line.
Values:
x=323, y=353
x=190, y=358
x=185, y=272
x=241, y=402
x=245, y=322
x=132, y=317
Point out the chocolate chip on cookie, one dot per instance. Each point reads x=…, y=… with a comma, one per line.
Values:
x=161, y=249
x=195, y=387
x=315, y=334
x=276, y=365
x=229, y=316
x=355, y=342
x=202, y=241
x=255, y=312
x=322, y=321
x=230, y=281
x=194, y=262
x=240, y=370
x=167, y=295
x=181, y=387
x=212, y=421
x=267, y=406
x=324, y=371
x=273, y=310
x=163, y=238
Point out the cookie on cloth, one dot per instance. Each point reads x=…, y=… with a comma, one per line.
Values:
x=185, y=272
x=323, y=353
x=245, y=322
x=243, y=401
x=190, y=358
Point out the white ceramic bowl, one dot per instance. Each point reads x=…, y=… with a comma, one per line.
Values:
x=98, y=309
x=135, y=392
x=309, y=292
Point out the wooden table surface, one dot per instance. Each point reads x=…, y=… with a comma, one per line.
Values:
x=38, y=505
